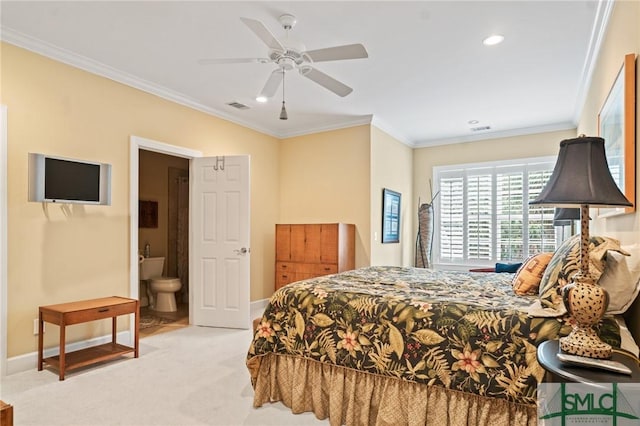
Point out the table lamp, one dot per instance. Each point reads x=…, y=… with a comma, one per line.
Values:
x=566, y=217
x=581, y=178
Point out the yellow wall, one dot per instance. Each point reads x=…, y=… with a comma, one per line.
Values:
x=392, y=168
x=324, y=178
x=623, y=37
x=57, y=255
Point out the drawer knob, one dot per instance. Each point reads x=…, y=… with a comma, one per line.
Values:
x=103, y=310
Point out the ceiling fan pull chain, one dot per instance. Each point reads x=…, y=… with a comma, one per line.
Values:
x=283, y=111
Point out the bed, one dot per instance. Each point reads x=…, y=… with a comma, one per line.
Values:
x=392, y=346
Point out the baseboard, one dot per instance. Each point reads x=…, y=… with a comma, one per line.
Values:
x=29, y=361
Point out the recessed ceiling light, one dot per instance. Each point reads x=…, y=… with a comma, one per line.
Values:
x=261, y=99
x=473, y=121
x=493, y=40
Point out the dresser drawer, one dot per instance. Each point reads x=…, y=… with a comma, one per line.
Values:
x=284, y=278
x=326, y=269
x=100, y=313
x=285, y=267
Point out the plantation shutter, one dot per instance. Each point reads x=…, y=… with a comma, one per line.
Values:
x=451, y=217
x=482, y=213
x=479, y=216
x=510, y=215
x=541, y=232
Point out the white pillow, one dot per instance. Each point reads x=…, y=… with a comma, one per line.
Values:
x=621, y=279
x=634, y=257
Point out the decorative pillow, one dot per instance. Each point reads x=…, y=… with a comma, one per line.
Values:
x=528, y=276
x=565, y=263
x=508, y=267
x=621, y=279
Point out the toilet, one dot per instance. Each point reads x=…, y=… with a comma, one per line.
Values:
x=163, y=288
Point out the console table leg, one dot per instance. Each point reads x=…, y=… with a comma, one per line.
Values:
x=114, y=327
x=62, y=351
x=40, y=341
x=136, y=331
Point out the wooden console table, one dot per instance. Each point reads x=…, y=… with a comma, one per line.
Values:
x=66, y=314
x=6, y=414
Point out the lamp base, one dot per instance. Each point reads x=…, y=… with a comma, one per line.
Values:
x=587, y=303
x=585, y=342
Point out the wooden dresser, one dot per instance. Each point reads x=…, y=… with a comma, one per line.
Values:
x=311, y=250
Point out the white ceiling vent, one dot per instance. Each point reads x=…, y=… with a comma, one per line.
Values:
x=237, y=105
x=480, y=129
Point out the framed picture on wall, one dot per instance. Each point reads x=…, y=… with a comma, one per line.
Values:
x=617, y=126
x=390, y=216
x=147, y=214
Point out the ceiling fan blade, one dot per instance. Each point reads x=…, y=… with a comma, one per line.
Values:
x=263, y=34
x=272, y=83
x=349, y=51
x=326, y=81
x=232, y=61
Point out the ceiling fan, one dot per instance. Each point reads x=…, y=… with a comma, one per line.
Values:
x=290, y=54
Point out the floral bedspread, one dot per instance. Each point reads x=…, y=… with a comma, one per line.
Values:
x=459, y=330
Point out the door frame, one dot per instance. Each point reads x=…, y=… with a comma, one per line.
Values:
x=137, y=143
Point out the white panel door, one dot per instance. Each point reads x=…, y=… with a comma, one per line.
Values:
x=220, y=255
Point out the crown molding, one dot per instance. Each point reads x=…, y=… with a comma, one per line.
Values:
x=32, y=44
x=65, y=56
x=600, y=25
x=86, y=64
x=391, y=131
x=358, y=121
x=554, y=127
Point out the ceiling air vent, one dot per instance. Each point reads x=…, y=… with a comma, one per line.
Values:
x=237, y=105
x=480, y=129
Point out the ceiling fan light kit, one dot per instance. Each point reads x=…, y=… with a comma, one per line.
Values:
x=493, y=39
x=290, y=55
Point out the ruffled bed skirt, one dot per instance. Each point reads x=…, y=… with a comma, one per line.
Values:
x=351, y=397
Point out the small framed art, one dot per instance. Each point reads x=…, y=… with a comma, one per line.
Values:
x=390, y=216
x=147, y=214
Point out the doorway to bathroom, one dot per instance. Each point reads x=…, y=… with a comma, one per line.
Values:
x=163, y=238
x=219, y=235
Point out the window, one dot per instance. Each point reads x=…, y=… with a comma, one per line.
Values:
x=483, y=216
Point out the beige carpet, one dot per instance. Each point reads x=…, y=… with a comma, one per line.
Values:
x=191, y=376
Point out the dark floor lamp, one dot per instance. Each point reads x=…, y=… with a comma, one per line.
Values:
x=581, y=178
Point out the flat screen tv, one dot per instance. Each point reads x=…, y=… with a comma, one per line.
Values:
x=65, y=180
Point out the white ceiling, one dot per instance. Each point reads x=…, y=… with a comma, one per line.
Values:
x=427, y=75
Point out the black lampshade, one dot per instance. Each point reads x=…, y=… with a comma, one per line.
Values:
x=564, y=216
x=581, y=177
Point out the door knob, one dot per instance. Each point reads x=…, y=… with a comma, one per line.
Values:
x=243, y=250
